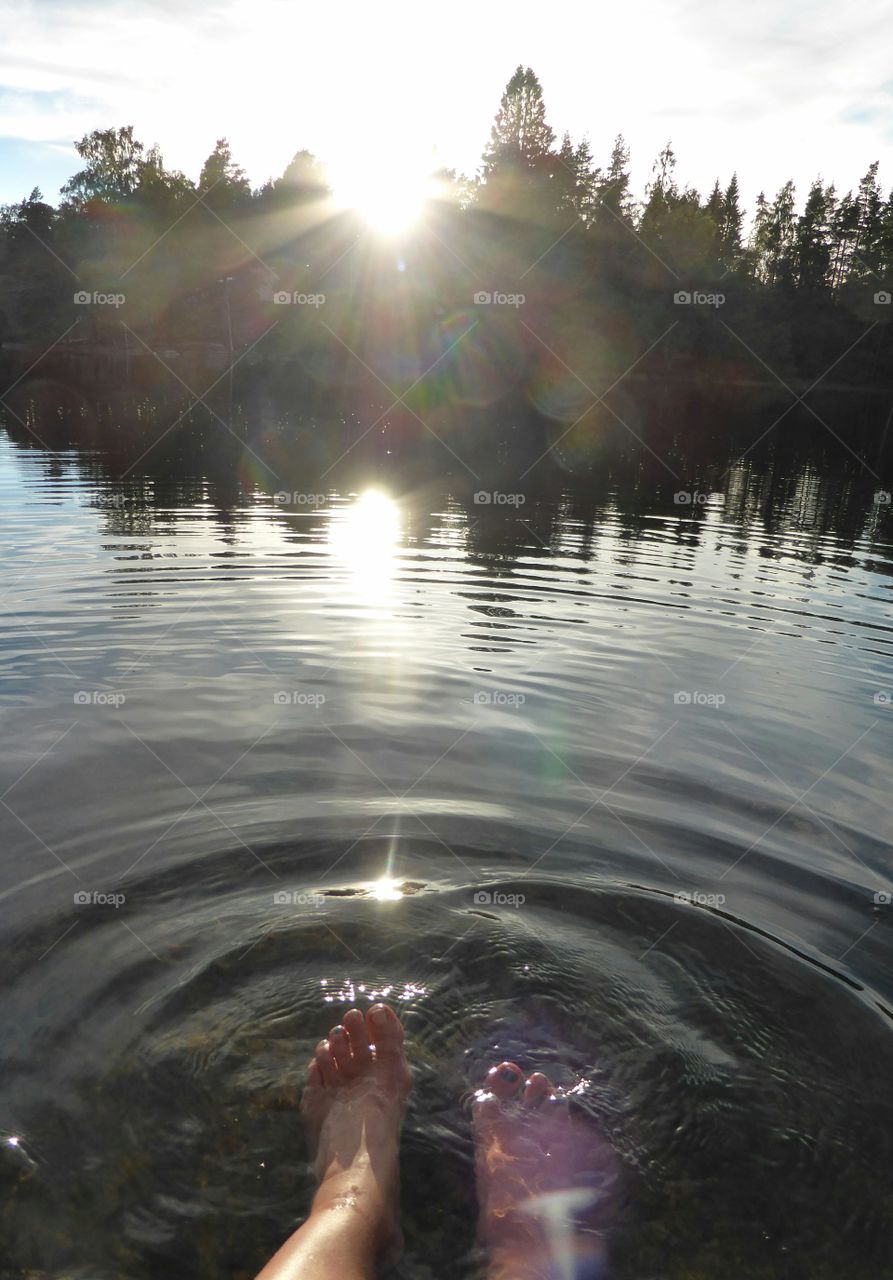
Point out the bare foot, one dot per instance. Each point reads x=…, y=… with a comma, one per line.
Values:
x=543, y=1176
x=352, y=1105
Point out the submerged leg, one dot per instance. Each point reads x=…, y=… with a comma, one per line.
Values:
x=357, y=1084
x=543, y=1180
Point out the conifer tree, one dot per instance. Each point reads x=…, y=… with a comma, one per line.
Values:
x=613, y=202
x=520, y=138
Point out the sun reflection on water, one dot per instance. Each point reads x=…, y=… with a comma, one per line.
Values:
x=385, y=889
x=351, y=993
x=365, y=537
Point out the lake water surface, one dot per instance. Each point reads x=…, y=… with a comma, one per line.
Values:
x=588, y=778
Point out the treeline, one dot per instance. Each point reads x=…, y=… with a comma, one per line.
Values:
x=672, y=284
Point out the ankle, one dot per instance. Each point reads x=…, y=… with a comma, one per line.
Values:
x=357, y=1196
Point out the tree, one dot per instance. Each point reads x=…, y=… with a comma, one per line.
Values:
x=673, y=223
x=112, y=170
x=844, y=233
x=886, y=240
x=222, y=184
x=520, y=139
x=812, y=254
x=732, y=222
x=33, y=277
x=661, y=195
x=31, y=215
x=714, y=206
x=453, y=187
x=772, y=241
x=576, y=179
x=303, y=182
x=867, y=254
x=159, y=189
x=713, y=210
x=613, y=203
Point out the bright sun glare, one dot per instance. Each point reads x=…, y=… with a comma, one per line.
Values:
x=390, y=202
x=386, y=889
x=365, y=537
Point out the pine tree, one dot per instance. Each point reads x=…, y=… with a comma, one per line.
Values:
x=885, y=267
x=520, y=139
x=844, y=233
x=772, y=242
x=576, y=178
x=613, y=202
x=713, y=210
x=714, y=206
x=866, y=253
x=732, y=222
x=758, y=236
x=813, y=249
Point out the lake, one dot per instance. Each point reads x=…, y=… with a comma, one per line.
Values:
x=568, y=769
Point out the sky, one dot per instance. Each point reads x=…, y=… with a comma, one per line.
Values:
x=776, y=89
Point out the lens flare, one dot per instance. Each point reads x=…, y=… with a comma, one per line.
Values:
x=390, y=201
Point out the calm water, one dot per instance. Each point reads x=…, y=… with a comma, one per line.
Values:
x=241, y=727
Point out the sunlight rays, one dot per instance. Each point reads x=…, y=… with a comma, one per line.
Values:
x=391, y=200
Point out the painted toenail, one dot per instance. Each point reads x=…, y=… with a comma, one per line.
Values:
x=337, y=1031
x=507, y=1073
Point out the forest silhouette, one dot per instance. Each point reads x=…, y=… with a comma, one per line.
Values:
x=539, y=290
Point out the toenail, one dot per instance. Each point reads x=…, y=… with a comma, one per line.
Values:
x=379, y=1016
x=337, y=1031
x=508, y=1073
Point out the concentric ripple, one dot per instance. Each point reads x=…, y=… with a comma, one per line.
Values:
x=594, y=781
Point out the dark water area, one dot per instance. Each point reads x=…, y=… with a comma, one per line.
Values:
x=579, y=774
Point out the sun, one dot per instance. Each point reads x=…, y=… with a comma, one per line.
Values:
x=364, y=537
x=389, y=200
